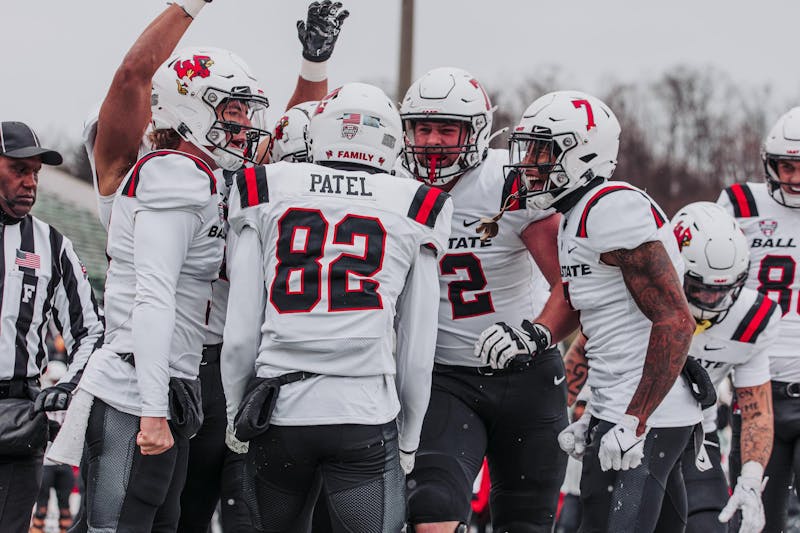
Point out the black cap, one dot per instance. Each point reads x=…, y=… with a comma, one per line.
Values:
x=18, y=140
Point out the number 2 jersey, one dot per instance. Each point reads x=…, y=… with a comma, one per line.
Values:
x=611, y=216
x=483, y=282
x=338, y=247
x=772, y=233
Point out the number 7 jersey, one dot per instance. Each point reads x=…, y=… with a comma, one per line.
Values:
x=337, y=249
x=772, y=233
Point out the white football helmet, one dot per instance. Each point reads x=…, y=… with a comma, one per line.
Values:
x=356, y=124
x=563, y=141
x=289, y=135
x=782, y=142
x=446, y=95
x=716, y=258
x=210, y=98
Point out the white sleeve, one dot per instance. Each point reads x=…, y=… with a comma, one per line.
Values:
x=756, y=370
x=242, y=334
x=174, y=181
x=417, y=323
x=161, y=242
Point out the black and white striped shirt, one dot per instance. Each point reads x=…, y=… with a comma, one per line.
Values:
x=41, y=278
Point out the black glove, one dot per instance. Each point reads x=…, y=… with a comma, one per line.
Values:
x=53, y=428
x=318, y=33
x=55, y=398
x=700, y=384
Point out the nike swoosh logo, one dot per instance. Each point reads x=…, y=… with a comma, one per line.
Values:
x=570, y=250
x=712, y=348
x=558, y=380
x=468, y=224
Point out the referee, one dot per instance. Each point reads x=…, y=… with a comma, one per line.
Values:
x=41, y=278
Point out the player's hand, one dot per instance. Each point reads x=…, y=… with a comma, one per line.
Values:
x=407, y=461
x=234, y=444
x=154, y=435
x=500, y=344
x=55, y=398
x=621, y=448
x=747, y=497
x=193, y=7
x=318, y=33
x=573, y=438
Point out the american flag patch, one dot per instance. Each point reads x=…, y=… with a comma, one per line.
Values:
x=351, y=118
x=28, y=259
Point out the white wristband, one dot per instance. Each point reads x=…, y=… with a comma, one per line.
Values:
x=192, y=7
x=311, y=71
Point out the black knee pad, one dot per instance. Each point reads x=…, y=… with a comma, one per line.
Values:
x=438, y=491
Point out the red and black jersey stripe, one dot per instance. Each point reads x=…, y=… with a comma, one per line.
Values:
x=511, y=187
x=658, y=215
x=427, y=203
x=744, y=205
x=129, y=189
x=252, y=185
x=755, y=320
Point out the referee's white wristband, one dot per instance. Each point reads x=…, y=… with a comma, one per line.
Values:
x=311, y=71
x=192, y=7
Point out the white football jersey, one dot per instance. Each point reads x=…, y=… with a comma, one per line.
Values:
x=772, y=233
x=738, y=343
x=170, y=184
x=333, y=271
x=613, y=216
x=485, y=282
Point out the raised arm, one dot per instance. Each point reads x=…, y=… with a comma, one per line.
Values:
x=318, y=35
x=654, y=285
x=125, y=111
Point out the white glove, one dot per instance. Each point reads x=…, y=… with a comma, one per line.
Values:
x=573, y=438
x=499, y=344
x=747, y=497
x=407, y=461
x=234, y=444
x=620, y=448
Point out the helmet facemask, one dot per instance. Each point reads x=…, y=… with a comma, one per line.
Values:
x=236, y=134
x=538, y=159
x=440, y=164
x=707, y=301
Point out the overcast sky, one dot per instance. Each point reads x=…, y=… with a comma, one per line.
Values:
x=59, y=56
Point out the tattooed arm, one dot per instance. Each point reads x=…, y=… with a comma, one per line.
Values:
x=654, y=284
x=757, y=431
x=577, y=367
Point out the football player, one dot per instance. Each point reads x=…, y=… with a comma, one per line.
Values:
x=345, y=252
x=511, y=415
x=289, y=134
x=114, y=136
x=619, y=263
x=164, y=253
x=735, y=330
x=768, y=214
